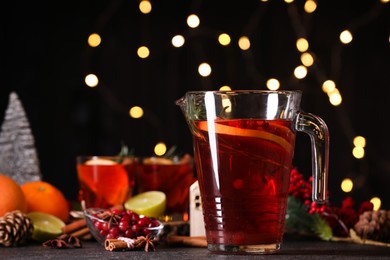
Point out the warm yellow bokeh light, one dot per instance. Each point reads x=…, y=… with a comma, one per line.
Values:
x=335, y=97
x=136, y=112
x=244, y=43
x=193, y=21
x=307, y=59
x=94, y=40
x=358, y=152
x=91, y=80
x=384, y=1
x=376, y=202
x=273, y=84
x=288, y=1
x=346, y=37
x=204, y=69
x=145, y=6
x=302, y=44
x=143, y=52
x=178, y=41
x=225, y=88
x=224, y=39
x=328, y=86
x=347, y=185
x=300, y=72
x=359, y=141
x=310, y=6
x=160, y=149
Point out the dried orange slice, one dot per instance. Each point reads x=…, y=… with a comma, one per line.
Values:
x=230, y=130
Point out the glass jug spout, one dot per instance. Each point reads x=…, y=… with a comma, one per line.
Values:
x=181, y=102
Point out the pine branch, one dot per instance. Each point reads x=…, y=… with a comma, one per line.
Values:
x=299, y=220
x=321, y=228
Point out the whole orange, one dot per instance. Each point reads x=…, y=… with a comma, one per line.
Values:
x=11, y=196
x=44, y=197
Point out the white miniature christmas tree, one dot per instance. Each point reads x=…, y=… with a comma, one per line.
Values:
x=18, y=156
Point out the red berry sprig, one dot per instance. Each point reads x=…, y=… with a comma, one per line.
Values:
x=300, y=188
x=341, y=219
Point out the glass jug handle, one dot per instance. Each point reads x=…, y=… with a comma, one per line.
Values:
x=316, y=128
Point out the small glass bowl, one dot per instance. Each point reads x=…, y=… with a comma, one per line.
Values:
x=102, y=225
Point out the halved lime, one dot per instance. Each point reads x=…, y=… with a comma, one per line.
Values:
x=149, y=203
x=46, y=226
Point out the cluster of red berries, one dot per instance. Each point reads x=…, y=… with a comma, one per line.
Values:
x=302, y=189
x=121, y=223
x=341, y=219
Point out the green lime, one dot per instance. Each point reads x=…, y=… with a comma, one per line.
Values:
x=150, y=203
x=46, y=226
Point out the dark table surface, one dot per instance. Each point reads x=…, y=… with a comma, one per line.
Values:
x=293, y=248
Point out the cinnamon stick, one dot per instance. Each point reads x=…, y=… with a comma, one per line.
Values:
x=118, y=244
x=80, y=232
x=74, y=226
x=87, y=236
x=188, y=241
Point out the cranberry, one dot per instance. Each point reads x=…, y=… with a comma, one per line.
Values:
x=110, y=236
x=135, y=217
x=114, y=231
x=97, y=224
x=265, y=125
x=134, y=228
x=146, y=231
x=238, y=184
x=103, y=232
x=123, y=225
x=143, y=222
x=126, y=218
x=116, y=212
x=154, y=223
x=129, y=233
x=105, y=226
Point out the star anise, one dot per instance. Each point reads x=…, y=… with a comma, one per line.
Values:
x=145, y=242
x=62, y=242
x=56, y=243
x=111, y=217
x=71, y=240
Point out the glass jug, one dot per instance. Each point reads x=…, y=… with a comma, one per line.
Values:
x=244, y=144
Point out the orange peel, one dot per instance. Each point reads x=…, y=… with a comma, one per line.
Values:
x=230, y=130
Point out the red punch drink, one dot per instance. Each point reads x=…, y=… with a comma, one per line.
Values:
x=243, y=168
x=244, y=144
x=172, y=178
x=105, y=182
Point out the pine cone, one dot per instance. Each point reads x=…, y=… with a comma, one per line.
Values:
x=374, y=225
x=15, y=228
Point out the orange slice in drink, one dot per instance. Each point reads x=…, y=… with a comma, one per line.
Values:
x=230, y=130
x=100, y=161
